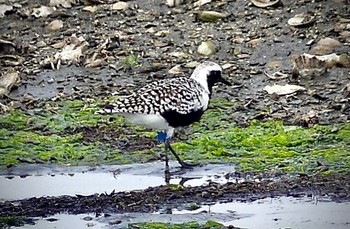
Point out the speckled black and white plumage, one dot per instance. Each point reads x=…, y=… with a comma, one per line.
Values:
x=170, y=103
x=181, y=95
x=180, y=101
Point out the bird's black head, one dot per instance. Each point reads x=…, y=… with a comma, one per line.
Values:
x=214, y=77
x=208, y=74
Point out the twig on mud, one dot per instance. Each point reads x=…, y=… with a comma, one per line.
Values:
x=276, y=75
x=248, y=103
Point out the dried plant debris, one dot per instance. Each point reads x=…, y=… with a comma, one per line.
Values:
x=11, y=60
x=300, y=20
x=308, y=120
x=265, y=3
x=71, y=52
x=7, y=81
x=333, y=60
x=306, y=66
x=276, y=75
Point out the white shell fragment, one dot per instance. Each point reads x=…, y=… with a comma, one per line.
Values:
x=207, y=48
x=209, y=16
x=179, y=55
x=7, y=81
x=55, y=25
x=301, y=20
x=177, y=69
x=43, y=11
x=3, y=9
x=264, y=3
x=172, y=3
x=283, y=89
x=201, y=2
x=91, y=9
x=120, y=6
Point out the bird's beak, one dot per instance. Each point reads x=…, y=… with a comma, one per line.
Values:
x=222, y=80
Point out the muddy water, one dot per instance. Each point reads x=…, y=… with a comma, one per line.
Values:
x=36, y=181
x=284, y=212
x=66, y=221
x=79, y=183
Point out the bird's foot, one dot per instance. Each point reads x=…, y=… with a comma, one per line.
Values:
x=187, y=165
x=162, y=156
x=183, y=164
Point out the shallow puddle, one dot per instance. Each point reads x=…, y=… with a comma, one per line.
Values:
x=78, y=183
x=37, y=181
x=66, y=221
x=283, y=212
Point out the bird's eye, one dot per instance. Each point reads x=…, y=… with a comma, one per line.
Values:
x=215, y=73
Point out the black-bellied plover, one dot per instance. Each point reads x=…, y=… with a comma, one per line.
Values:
x=166, y=104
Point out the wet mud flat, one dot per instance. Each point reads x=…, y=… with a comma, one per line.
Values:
x=253, y=44
x=212, y=192
x=251, y=41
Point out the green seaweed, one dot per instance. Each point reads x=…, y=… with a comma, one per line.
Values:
x=131, y=61
x=41, y=136
x=17, y=146
x=14, y=221
x=267, y=146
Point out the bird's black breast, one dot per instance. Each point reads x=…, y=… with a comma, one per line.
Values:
x=176, y=119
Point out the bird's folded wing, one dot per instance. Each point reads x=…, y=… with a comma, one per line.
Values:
x=158, y=97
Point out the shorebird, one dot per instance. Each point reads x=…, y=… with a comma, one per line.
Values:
x=166, y=104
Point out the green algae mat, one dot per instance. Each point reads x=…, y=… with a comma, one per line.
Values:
x=56, y=133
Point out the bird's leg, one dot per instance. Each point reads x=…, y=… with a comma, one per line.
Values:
x=161, y=137
x=167, y=170
x=181, y=162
